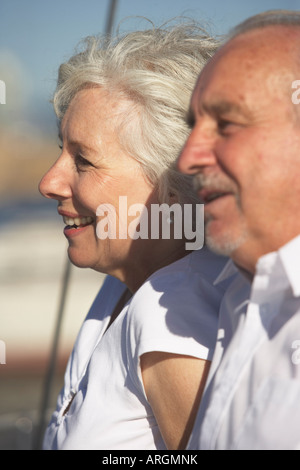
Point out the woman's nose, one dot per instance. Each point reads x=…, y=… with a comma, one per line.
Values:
x=55, y=184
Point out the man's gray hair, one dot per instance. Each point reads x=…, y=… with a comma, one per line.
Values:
x=267, y=18
x=154, y=72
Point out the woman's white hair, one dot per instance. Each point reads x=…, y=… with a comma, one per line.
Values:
x=155, y=72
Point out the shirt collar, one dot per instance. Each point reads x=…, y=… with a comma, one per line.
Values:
x=281, y=269
x=229, y=270
x=290, y=257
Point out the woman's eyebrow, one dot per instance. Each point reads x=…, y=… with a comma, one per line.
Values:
x=77, y=143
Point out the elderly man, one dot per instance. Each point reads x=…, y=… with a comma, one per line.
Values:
x=244, y=149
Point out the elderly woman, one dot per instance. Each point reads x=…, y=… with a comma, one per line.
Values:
x=137, y=371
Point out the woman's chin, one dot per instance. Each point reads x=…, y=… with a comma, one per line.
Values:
x=80, y=261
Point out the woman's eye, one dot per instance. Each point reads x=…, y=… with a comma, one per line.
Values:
x=82, y=162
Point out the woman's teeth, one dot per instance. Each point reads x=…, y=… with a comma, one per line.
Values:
x=78, y=220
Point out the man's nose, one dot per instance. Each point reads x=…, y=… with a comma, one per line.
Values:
x=198, y=152
x=55, y=184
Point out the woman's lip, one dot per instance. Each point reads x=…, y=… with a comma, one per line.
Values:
x=77, y=223
x=71, y=231
x=72, y=215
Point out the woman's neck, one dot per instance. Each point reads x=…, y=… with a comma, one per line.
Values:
x=153, y=259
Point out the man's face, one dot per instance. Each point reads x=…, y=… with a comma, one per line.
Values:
x=244, y=147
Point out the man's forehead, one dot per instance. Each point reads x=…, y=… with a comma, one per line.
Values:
x=214, y=68
x=235, y=53
x=212, y=81
x=274, y=44
x=242, y=63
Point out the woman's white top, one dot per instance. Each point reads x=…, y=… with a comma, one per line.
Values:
x=174, y=311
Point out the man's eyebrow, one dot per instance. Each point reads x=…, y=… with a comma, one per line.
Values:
x=217, y=108
x=220, y=108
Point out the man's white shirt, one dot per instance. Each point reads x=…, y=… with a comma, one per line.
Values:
x=252, y=397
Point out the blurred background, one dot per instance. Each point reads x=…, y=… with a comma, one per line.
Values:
x=35, y=37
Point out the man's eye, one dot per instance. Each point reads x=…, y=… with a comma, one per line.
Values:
x=225, y=126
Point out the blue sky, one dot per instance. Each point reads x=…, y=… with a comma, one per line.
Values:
x=37, y=35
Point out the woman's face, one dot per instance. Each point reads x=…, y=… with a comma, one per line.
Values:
x=92, y=173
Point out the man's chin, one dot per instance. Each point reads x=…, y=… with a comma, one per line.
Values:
x=224, y=243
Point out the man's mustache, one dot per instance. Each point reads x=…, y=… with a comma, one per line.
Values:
x=212, y=181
